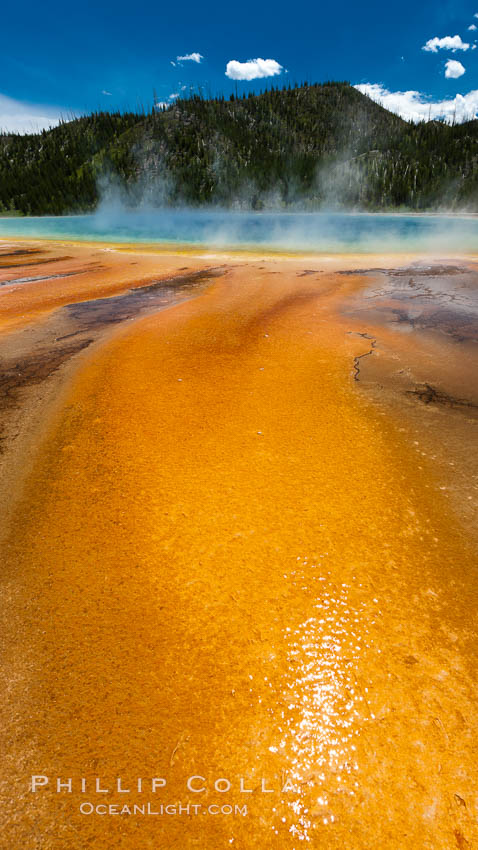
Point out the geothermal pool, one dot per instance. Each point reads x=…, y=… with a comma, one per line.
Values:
x=288, y=232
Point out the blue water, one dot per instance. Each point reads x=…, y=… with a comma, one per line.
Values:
x=321, y=232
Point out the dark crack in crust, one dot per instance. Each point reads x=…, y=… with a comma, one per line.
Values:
x=429, y=394
x=359, y=357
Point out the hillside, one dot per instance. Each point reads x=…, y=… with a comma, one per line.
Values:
x=309, y=145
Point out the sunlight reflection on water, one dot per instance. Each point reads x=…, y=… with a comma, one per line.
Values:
x=326, y=705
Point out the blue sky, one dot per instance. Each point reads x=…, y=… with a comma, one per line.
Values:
x=70, y=60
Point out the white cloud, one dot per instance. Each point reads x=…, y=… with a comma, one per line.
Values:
x=454, y=69
x=449, y=42
x=161, y=103
x=173, y=96
x=108, y=93
x=414, y=106
x=253, y=69
x=190, y=57
x=472, y=27
x=19, y=117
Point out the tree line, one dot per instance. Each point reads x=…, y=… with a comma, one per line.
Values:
x=309, y=146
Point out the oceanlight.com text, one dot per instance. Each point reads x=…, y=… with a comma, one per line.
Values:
x=187, y=809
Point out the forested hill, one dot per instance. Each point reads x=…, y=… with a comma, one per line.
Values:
x=307, y=145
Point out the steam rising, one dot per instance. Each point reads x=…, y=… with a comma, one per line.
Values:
x=150, y=210
x=320, y=232
x=326, y=231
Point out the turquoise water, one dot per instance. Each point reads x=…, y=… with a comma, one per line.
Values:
x=321, y=232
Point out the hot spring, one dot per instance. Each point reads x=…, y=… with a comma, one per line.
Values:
x=287, y=232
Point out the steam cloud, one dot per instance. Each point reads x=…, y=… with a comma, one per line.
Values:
x=326, y=231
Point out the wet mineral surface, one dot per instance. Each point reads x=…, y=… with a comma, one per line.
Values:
x=239, y=561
